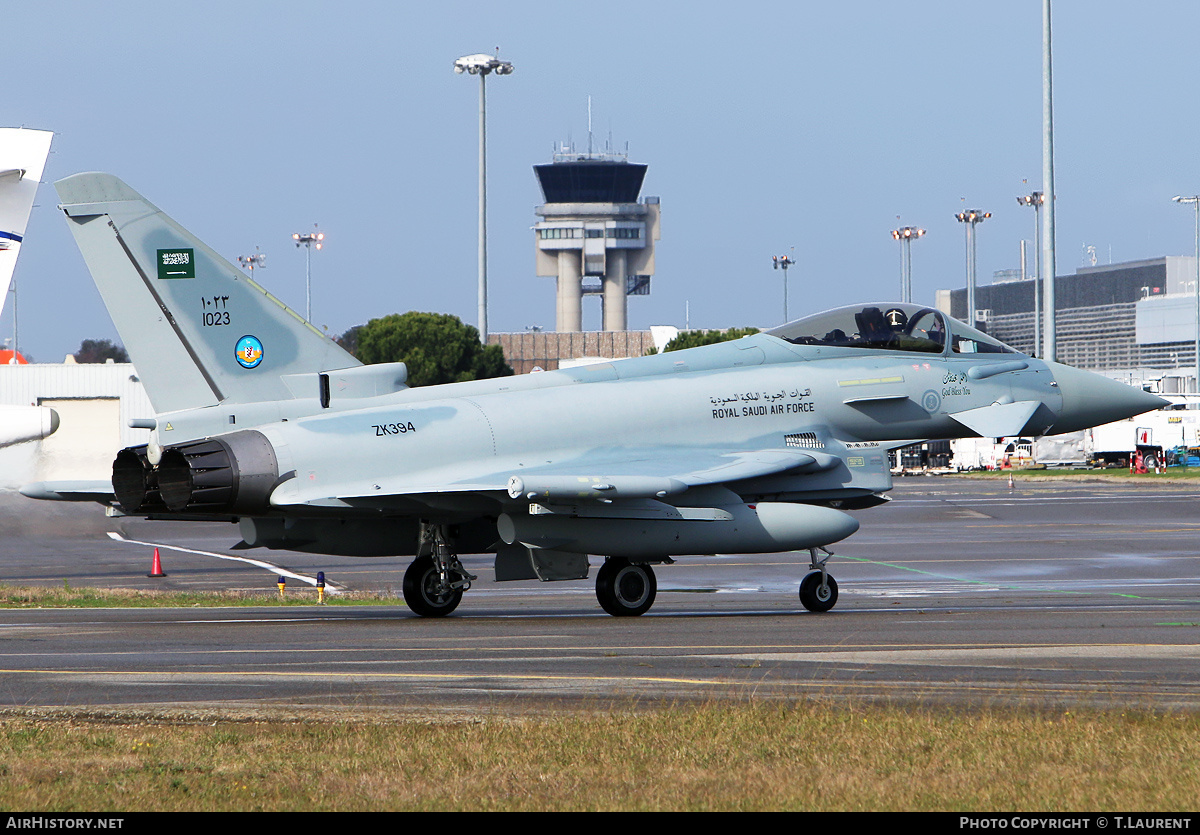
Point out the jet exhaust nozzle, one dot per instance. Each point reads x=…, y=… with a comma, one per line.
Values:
x=135, y=481
x=232, y=473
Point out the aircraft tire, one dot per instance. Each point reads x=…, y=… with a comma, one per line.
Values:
x=420, y=584
x=625, y=589
x=813, y=597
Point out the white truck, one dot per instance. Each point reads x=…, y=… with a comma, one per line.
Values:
x=1111, y=445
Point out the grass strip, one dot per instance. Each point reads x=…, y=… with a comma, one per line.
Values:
x=1185, y=475
x=66, y=597
x=715, y=757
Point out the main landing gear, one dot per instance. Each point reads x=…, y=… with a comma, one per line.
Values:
x=818, y=589
x=435, y=582
x=625, y=589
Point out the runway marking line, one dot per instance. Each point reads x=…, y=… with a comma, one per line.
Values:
x=274, y=569
x=908, y=687
x=1021, y=588
x=990, y=656
x=357, y=674
x=741, y=684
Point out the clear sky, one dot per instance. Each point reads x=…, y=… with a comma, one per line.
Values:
x=765, y=125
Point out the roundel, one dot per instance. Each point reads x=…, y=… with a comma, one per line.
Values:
x=249, y=352
x=930, y=401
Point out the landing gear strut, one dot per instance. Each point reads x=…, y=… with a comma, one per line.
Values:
x=435, y=582
x=625, y=589
x=818, y=589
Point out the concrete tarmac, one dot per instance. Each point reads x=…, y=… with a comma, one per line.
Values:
x=959, y=591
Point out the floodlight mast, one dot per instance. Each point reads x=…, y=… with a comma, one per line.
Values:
x=253, y=262
x=782, y=262
x=1049, y=304
x=1036, y=199
x=906, y=235
x=971, y=217
x=308, y=240
x=1195, y=202
x=481, y=64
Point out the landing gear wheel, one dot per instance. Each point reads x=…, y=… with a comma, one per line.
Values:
x=422, y=590
x=817, y=597
x=625, y=589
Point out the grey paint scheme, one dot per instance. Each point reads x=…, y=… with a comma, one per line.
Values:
x=743, y=446
x=183, y=363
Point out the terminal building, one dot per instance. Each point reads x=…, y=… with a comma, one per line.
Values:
x=1134, y=321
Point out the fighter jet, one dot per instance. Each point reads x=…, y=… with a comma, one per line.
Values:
x=756, y=445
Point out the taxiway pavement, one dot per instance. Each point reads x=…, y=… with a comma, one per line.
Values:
x=959, y=591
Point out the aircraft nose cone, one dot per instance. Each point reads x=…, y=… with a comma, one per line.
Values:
x=1091, y=400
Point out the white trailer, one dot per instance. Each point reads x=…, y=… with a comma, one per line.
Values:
x=1113, y=443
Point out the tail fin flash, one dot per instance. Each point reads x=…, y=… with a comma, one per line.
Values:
x=198, y=330
x=22, y=159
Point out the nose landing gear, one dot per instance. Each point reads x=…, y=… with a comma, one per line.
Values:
x=818, y=589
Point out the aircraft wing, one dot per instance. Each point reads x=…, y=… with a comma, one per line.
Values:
x=612, y=474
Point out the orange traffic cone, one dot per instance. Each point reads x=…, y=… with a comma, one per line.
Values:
x=1011, y=483
x=156, y=567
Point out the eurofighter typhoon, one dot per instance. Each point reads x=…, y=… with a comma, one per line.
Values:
x=758, y=445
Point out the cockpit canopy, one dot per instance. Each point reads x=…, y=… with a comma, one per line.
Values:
x=890, y=327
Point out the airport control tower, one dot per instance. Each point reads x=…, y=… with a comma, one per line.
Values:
x=594, y=227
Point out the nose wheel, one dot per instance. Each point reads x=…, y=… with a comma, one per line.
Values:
x=818, y=589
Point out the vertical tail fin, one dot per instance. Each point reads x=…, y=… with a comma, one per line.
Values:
x=198, y=330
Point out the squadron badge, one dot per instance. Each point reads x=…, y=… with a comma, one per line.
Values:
x=249, y=352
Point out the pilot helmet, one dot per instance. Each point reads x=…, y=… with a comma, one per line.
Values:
x=896, y=318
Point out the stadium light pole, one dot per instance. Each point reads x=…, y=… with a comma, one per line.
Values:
x=1036, y=199
x=481, y=65
x=782, y=262
x=906, y=235
x=970, y=217
x=253, y=262
x=1049, y=265
x=308, y=240
x=1195, y=202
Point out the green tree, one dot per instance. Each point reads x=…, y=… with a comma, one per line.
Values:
x=349, y=340
x=436, y=347
x=693, y=339
x=100, y=350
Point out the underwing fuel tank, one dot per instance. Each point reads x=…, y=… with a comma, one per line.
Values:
x=765, y=527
